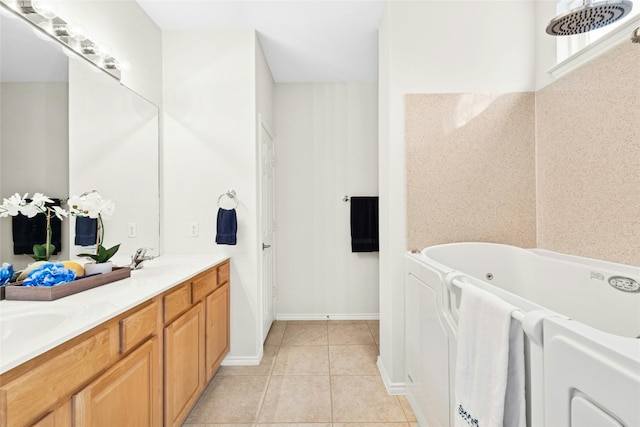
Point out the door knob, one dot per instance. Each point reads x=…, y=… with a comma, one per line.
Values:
x=265, y=246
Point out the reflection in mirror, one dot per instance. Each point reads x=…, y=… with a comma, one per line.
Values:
x=34, y=123
x=67, y=128
x=113, y=148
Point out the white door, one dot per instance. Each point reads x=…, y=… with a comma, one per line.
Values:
x=268, y=229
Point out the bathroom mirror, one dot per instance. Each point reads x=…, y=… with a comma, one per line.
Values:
x=66, y=128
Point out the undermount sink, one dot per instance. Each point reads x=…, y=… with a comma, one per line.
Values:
x=18, y=326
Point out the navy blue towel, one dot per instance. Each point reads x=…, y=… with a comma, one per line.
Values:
x=33, y=231
x=86, y=231
x=227, y=227
x=364, y=224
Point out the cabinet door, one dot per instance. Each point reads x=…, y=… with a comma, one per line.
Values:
x=60, y=417
x=184, y=377
x=217, y=342
x=126, y=395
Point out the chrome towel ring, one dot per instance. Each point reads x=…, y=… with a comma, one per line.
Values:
x=231, y=194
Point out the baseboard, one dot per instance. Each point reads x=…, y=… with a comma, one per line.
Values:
x=340, y=316
x=392, y=388
x=242, y=360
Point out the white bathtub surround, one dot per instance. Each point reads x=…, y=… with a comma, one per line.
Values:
x=30, y=328
x=470, y=168
x=586, y=123
x=489, y=377
x=582, y=353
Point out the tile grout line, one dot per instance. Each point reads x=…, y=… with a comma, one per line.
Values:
x=266, y=388
x=330, y=376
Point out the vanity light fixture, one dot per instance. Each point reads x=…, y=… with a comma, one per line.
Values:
x=44, y=8
x=43, y=15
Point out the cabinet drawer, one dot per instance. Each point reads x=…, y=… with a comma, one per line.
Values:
x=177, y=302
x=203, y=286
x=29, y=396
x=223, y=273
x=138, y=326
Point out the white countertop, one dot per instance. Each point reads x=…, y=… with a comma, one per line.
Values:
x=30, y=328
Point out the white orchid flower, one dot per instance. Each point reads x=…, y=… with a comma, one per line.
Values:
x=39, y=200
x=12, y=205
x=91, y=205
x=59, y=212
x=30, y=210
x=75, y=205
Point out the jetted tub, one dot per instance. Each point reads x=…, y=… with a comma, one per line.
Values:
x=580, y=317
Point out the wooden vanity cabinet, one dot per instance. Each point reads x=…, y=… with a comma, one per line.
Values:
x=61, y=417
x=217, y=328
x=196, y=341
x=126, y=395
x=124, y=371
x=184, y=364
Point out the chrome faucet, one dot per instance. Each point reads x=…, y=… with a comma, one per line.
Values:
x=139, y=257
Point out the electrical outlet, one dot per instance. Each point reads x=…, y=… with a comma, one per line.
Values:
x=195, y=229
x=132, y=229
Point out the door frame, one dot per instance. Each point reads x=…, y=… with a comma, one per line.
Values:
x=262, y=126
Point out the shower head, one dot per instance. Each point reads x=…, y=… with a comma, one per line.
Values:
x=590, y=16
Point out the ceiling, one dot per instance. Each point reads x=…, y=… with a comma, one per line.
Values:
x=303, y=40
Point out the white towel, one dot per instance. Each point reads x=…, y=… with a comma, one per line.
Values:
x=489, y=381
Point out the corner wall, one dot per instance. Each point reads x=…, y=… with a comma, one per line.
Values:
x=421, y=52
x=209, y=124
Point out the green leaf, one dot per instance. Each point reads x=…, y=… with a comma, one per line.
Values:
x=111, y=252
x=103, y=254
x=40, y=252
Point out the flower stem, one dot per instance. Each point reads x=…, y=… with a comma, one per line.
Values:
x=100, y=230
x=48, y=241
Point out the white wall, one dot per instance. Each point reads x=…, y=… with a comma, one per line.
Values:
x=326, y=148
x=34, y=151
x=131, y=35
x=209, y=146
x=435, y=47
x=546, y=45
x=265, y=90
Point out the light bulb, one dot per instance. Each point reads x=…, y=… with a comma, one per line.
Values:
x=88, y=48
x=44, y=8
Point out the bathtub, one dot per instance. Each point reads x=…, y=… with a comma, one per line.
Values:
x=581, y=333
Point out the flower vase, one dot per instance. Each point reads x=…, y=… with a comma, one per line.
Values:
x=95, y=268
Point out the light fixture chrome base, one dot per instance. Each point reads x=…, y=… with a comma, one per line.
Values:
x=56, y=28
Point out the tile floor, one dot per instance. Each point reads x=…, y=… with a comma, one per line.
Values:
x=313, y=374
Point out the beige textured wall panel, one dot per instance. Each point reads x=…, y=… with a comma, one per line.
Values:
x=588, y=159
x=470, y=168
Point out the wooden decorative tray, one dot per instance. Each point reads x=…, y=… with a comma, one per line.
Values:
x=49, y=293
